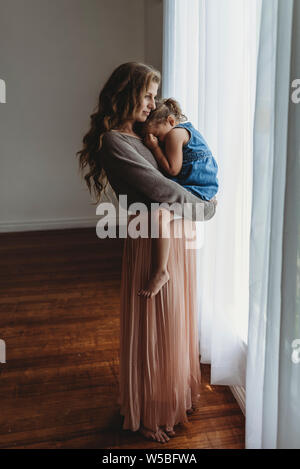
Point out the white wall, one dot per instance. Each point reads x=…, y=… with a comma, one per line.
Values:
x=55, y=56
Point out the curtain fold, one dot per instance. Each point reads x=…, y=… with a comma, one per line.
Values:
x=273, y=380
x=209, y=66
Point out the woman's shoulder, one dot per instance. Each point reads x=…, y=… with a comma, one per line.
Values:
x=116, y=143
x=117, y=134
x=120, y=146
x=113, y=141
x=114, y=137
x=111, y=136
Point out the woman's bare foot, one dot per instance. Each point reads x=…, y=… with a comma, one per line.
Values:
x=156, y=282
x=159, y=435
x=170, y=431
x=191, y=410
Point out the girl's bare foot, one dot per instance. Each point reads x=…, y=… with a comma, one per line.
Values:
x=159, y=435
x=156, y=282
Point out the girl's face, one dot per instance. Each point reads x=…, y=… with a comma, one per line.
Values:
x=161, y=129
x=147, y=103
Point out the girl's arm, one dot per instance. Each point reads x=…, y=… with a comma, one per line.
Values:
x=170, y=160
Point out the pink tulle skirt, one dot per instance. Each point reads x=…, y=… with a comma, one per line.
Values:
x=159, y=375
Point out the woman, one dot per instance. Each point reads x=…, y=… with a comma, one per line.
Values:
x=159, y=357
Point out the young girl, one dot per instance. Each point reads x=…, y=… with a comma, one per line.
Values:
x=184, y=156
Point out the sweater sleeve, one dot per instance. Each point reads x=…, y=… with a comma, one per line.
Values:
x=135, y=172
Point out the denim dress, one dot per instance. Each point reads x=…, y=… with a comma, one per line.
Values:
x=199, y=168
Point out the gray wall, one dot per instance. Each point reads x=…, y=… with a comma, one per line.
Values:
x=154, y=32
x=55, y=55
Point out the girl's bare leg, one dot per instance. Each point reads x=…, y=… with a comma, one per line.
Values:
x=160, y=256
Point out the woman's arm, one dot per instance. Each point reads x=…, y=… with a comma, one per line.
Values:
x=170, y=161
x=130, y=173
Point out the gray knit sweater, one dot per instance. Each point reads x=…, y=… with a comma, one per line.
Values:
x=132, y=170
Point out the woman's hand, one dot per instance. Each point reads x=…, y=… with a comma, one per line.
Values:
x=151, y=141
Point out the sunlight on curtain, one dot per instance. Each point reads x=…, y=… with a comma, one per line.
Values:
x=209, y=66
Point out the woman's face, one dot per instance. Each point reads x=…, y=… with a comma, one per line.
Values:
x=147, y=103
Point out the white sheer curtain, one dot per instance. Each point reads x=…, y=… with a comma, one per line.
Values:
x=209, y=66
x=273, y=368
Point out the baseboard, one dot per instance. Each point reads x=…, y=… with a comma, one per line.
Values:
x=239, y=393
x=54, y=224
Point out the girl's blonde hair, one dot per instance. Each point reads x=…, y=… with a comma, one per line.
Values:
x=118, y=99
x=164, y=108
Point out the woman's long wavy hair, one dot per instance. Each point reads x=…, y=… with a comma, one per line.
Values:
x=118, y=100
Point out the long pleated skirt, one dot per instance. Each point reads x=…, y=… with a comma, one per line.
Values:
x=159, y=376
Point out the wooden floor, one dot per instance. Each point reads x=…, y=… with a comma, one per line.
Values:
x=59, y=317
